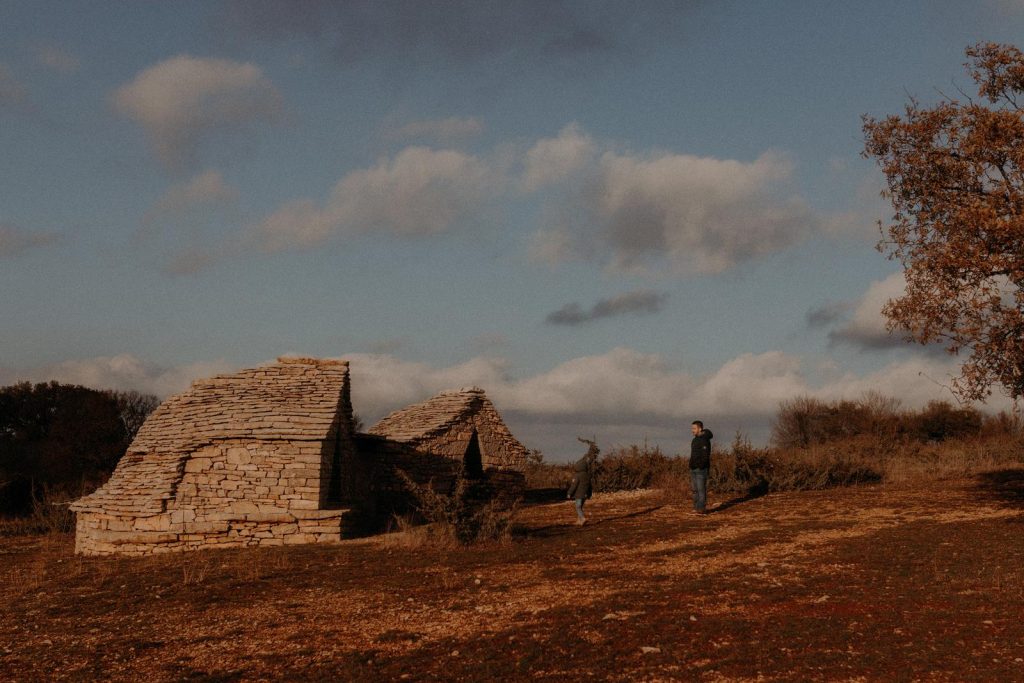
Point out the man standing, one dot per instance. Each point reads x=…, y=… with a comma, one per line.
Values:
x=700, y=465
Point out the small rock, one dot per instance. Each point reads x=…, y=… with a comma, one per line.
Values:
x=693, y=618
x=987, y=621
x=646, y=649
x=823, y=598
x=47, y=642
x=455, y=653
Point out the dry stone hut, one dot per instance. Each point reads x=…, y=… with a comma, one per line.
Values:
x=268, y=456
x=453, y=432
x=252, y=458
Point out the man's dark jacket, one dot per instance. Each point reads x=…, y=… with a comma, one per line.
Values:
x=700, y=450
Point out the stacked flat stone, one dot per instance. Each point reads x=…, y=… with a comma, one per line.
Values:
x=444, y=425
x=239, y=459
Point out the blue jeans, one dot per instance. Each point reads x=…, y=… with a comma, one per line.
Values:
x=579, y=507
x=699, y=486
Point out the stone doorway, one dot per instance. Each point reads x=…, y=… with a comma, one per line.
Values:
x=472, y=461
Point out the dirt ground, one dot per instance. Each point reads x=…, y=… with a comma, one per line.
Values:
x=868, y=584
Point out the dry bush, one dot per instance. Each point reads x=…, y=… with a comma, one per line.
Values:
x=1003, y=424
x=914, y=462
x=466, y=516
x=49, y=514
x=743, y=469
x=804, y=421
x=195, y=566
x=637, y=467
x=403, y=531
x=544, y=475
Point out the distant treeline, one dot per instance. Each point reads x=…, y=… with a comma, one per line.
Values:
x=806, y=421
x=60, y=441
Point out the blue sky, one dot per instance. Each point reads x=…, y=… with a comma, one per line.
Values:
x=613, y=218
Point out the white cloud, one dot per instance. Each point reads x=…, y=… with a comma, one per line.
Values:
x=620, y=384
x=551, y=247
x=443, y=130
x=15, y=241
x=206, y=188
x=12, y=92
x=192, y=260
x=382, y=383
x=58, y=59
x=866, y=327
x=752, y=384
x=123, y=372
x=680, y=212
x=700, y=214
x=552, y=160
x=419, y=192
x=626, y=388
x=182, y=100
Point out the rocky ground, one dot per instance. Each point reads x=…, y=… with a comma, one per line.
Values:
x=870, y=583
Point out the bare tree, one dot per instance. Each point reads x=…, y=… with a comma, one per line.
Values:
x=134, y=408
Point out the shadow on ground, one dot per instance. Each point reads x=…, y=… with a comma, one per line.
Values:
x=752, y=494
x=548, y=495
x=570, y=527
x=1006, y=486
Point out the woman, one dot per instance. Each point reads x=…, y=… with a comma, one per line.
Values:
x=582, y=486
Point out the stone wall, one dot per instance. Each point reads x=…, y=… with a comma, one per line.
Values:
x=243, y=459
x=230, y=493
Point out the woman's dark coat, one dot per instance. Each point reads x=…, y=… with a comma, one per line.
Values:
x=583, y=480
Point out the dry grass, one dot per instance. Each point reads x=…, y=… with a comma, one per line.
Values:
x=49, y=514
x=857, y=583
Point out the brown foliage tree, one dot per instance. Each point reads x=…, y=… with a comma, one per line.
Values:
x=955, y=175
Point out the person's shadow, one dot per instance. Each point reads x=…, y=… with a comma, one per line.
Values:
x=754, y=492
x=1006, y=486
x=561, y=529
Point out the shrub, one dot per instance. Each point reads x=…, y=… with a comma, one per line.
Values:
x=635, y=467
x=1002, y=424
x=466, y=516
x=804, y=421
x=544, y=475
x=940, y=421
x=49, y=513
